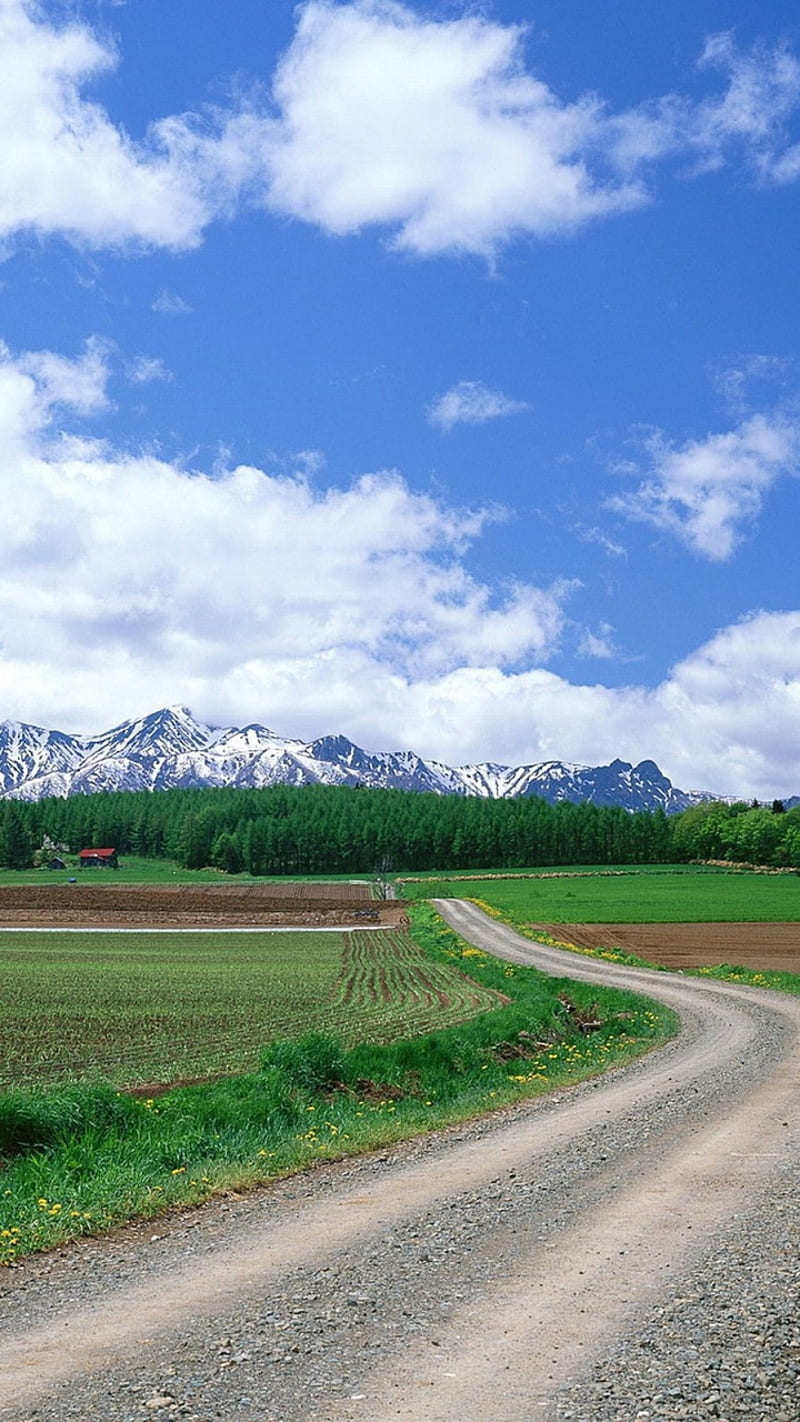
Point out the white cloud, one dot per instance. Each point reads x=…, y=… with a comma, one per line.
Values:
x=433, y=129
x=67, y=169
x=745, y=380
x=704, y=492
x=471, y=403
x=168, y=303
x=599, y=643
x=117, y=569
x=725, y=718
x=762, y=95
x=602, y=539
x=143, y=370
x=128, y=582
x=436, y=130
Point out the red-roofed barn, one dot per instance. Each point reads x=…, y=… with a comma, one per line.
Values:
x=98, y=859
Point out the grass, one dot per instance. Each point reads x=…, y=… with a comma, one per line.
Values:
x=664, y=894
x=156, y=1008
x=84, y=1158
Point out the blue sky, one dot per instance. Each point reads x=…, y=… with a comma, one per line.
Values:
x=423, y=372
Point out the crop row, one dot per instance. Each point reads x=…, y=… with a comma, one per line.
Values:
x=144, y=1008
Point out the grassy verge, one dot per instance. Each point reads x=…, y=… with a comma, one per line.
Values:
x=82, y=1159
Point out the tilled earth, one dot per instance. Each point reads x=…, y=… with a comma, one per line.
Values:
x=765, y=947
x=96, y=904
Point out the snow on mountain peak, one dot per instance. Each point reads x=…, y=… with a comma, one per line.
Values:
x=170, y=748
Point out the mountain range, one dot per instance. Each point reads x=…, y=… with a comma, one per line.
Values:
x=170, y=749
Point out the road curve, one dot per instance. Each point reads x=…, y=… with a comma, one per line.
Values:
x=477, y=1274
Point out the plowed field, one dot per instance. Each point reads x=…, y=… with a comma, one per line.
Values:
x=765, y=947
x=104, y=904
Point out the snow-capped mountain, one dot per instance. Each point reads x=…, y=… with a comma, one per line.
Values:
x=170, y=749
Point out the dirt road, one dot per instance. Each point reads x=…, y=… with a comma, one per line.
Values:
x=482, y=1274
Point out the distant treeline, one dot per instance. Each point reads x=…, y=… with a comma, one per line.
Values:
x=320, y=829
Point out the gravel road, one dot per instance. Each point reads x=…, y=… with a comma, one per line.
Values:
x=627, y=1249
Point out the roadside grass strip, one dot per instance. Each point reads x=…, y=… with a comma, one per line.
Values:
x=84, y=1157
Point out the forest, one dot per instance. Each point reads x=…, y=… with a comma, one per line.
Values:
x=319, y=829
x=328, y=829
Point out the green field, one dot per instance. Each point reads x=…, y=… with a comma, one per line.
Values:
x=80, y=1158
x=160, y=1007
x=664, y=894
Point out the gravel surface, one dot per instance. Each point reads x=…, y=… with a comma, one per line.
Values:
x=724, y=1342
x=430, y=1309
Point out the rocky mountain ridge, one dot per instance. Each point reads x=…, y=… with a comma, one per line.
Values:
x=170, y=749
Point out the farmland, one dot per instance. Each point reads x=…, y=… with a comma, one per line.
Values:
x=309, y=1046
x=142, y=1008
x=663, y=894
x=762, y=947
x=98, y=903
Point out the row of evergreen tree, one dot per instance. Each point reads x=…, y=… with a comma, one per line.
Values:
x=320, y=829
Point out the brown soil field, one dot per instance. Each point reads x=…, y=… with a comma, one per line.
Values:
x=765, y=947
x=108, y=905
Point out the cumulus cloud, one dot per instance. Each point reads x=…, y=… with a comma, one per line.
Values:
x=471, y=403
x=67, y=169
x=185, y=578
x=127, y=582
x=706, y=491
x=723, y=720
x=437, y=130
x=433, y=129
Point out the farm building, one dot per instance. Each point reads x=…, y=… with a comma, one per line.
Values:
x=98, y=859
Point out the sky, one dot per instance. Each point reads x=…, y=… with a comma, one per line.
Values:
x=427, y=373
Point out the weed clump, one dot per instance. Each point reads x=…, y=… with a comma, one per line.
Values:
x=314, y=1062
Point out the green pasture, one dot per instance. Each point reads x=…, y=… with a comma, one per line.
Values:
x=679, y=894
x=160, y=1007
